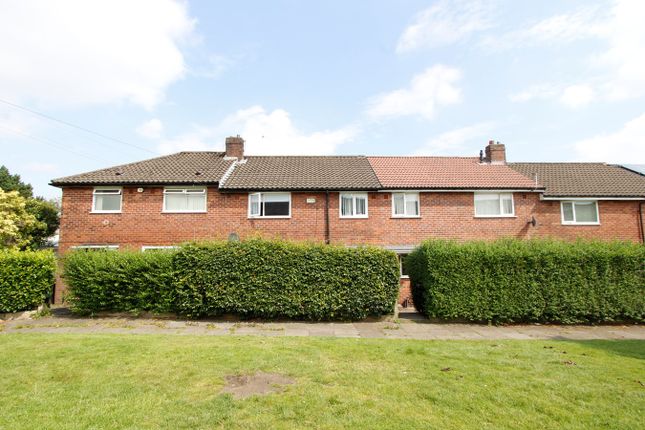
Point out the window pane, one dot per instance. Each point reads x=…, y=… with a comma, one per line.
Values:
x=361, y=205
x=586, y=212
x=275, y=197
x=404, y=266
x=399, y=203
x=107, y=202
x=567, y=211
x=507, y=204
x=412, y=204
x=276, y=208
x=487, y=204
x=346, y=205
x=175, y=202
x=196, y=202
x=255, y=204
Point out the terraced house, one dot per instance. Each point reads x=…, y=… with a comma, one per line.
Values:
x=394, y=202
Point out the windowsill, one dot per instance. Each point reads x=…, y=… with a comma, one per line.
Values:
x=580, y=223
x=405, y=216
x=184, y=212
x=270, y=217
x=404, y=277
x=106, y=212
x=354, y=217
x=495, y=216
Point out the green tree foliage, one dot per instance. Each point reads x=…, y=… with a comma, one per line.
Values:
x=9, y=182
x=538, y=280
x=44, y=211
x=17, y=225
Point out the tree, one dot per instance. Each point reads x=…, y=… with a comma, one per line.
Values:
x=17, y=225
x=45, y=212
x=9, y=182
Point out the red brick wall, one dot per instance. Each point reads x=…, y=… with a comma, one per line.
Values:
x=443, y=215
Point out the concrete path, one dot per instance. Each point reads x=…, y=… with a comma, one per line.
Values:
x=407, y=326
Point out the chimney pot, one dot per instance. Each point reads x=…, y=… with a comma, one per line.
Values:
x=235, y=147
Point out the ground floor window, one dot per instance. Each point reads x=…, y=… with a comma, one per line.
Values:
x=403, y=267
x=156, y=248
x=96, y=247
x=580, y=212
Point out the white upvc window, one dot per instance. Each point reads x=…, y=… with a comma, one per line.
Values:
x=270, y=205
x=96, y=247
x=150, y=248
x=107, y=199
x=184, y=199
x=353, y=205
x=493, y=205
x=405, y=205
x=580, y=212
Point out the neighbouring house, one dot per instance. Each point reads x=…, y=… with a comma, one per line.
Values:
x=393, y=202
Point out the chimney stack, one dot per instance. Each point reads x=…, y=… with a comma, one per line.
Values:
x=234, y=147
x=495, y=153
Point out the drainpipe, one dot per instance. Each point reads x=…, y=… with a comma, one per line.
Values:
x=640, y=219
x=327, y=235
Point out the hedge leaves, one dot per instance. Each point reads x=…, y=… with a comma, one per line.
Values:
x=545, y=281
x=26, y=279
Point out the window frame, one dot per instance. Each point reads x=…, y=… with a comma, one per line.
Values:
x=145, y=248
x=261, y=203
x=573, y=206
x=106, y=188
x=354, y=195
x=499, y=195
x=405, y=206
x=95, y=247
x=185, y=191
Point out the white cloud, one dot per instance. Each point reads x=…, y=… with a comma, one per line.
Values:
x=152, y=129
x=616, y=73
x=456, y=141
x=444, y=23
x=576, y=96
x=624, y=145
x=265, y=133
x=435, y=87
x=77, y=52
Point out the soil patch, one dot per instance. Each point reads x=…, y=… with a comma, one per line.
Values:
x=243, y=386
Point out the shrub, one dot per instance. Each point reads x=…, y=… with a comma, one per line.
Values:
x=546, y=281
x=26, y=279
x=119, y=281
x=272, y=279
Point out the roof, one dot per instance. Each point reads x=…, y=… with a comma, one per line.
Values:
x=302, y=173
x=638, y=168
x=446, y=173
x=584, y=179
x=180, y=168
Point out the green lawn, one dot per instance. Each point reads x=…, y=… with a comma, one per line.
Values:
x=145, y=381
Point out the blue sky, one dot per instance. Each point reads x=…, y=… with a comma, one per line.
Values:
x=553, y=80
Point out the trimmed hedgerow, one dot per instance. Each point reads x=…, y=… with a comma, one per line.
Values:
x=26, y=279
x=275, y=279
x=119, y=281
x=538, y=280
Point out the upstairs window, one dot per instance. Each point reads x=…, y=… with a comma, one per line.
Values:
x=494, y=205
x=187, y=199
x=107, y=200
x=580, y=212
x=270, y=205
x=405, y=205
x=353, y=205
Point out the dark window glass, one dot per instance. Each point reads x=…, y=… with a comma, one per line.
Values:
x=276, y=208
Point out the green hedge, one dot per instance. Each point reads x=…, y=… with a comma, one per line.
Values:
x=26, y=279
x=540, y=281
x=119, y=281
x=255, y=278
x=275, y=279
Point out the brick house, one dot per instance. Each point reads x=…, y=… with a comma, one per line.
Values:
x=394, y=202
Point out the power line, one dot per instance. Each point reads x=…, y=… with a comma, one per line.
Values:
x=69, y=124
x=49, y=142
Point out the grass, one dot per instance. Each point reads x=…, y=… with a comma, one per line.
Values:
x=146, y=381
